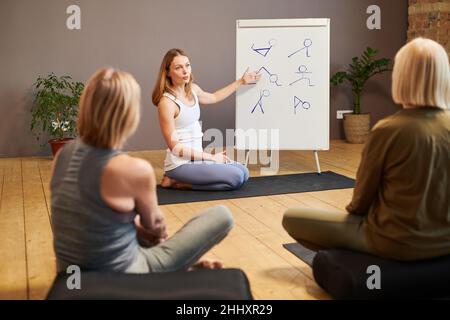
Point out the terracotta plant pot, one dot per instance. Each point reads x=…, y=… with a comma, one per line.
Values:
x=57, y=144
x=356, y=127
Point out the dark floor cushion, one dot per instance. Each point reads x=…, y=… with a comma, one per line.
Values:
x=223, y=284
x=344, y=275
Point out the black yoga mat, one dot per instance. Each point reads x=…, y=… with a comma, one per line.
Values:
x=304, y=254
x=262, y=186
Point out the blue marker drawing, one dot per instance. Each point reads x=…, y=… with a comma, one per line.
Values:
x=297, y=101
x=262, y=94
x=264, y=51
x=306, y=44
x=273, y=78
x=302, y=70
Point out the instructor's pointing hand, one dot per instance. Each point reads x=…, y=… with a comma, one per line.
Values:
x=250, y=77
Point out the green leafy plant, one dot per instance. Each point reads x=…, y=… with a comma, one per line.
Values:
x=359, y=71
x=55, y=106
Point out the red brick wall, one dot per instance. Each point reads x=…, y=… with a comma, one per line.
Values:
x=430, y=19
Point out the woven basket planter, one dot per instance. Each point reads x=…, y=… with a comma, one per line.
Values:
x=356, y=127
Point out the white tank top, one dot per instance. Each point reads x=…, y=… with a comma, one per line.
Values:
x=188, y=130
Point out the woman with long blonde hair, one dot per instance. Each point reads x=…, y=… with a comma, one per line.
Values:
x=401, y=205
x=105, y=213
x=186, y=164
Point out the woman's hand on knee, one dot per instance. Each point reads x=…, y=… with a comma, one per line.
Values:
x=221, y=158
x=149, y=238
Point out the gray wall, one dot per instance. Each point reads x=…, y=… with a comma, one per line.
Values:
x=133, y=35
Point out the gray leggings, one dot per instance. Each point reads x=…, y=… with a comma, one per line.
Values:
x=207, y=175
x=187, y=245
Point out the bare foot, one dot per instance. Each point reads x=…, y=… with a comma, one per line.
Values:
x=167, y=182
x=172, y=183
x=182, y=186
x=206, y=264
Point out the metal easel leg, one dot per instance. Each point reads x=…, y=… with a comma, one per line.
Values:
x=316, y=156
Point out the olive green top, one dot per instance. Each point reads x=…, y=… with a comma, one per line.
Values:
x=403, y=185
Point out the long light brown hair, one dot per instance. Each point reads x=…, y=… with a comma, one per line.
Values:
x=164, y=83
x=109, y=109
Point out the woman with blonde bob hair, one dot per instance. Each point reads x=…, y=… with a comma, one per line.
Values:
x=109, y=109
x=401, y=206
x=105, y=213
x=178, y=100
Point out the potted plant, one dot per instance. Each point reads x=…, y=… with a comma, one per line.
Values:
x=357, y=124
x=55, y=108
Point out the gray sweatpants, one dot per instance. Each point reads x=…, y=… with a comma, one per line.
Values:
x=207, y=175
x=187, y=245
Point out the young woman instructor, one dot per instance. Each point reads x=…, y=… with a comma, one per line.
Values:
x=177, y=99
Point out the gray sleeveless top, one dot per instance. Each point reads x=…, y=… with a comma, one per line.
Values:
x=86, y=232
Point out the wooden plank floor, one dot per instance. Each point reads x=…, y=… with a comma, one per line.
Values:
x=27, y=261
